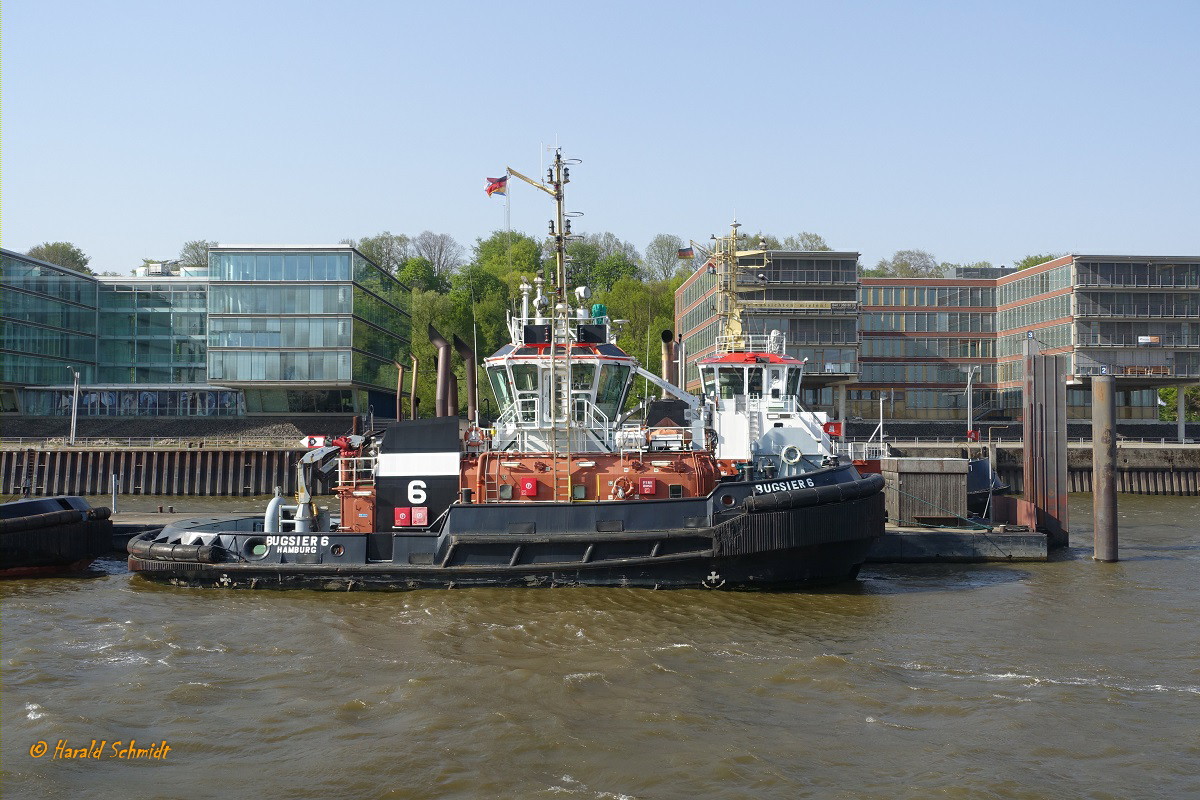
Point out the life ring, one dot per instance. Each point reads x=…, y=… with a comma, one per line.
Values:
x=622, y=488
x=792, y=451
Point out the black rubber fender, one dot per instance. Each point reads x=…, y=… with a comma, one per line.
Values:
x=144, y=546
x=816, y=496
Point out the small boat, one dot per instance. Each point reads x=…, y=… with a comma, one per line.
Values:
x=51, y=536
x=734, y=490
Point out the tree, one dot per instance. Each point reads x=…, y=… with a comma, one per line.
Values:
x=756, y=241
x=194, y=255
x=949, y=268
x=806, y=241
x=510, y=256
x=445, y=254
x=1034, y=260
x=389, y=251
x=612, y=268
x=417, y=273
x=64, y=254
x=662, y=256
x=907, y=264
x=1168, y=408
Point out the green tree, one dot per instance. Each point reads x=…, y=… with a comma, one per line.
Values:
x=389, y=251
x=811, y=242
x=1034, y=260
x=1168, y=409
x=417, y=273
x=582, y=257
x=662, y=256
x=194, y=255
x=755, y=241
x=949, y=269
x=63, y=254
x=612, y=268
x=510, y=256
x=907, y=264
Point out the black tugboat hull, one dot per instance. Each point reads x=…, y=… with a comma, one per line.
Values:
x=787, y=539
x=49, y=536
x=819, y=565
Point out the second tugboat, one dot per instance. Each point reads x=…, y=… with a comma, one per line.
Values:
x=565, y=490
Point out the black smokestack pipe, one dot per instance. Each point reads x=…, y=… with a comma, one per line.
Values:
x=440, y=398
x=412, y=392
x=399, y=390
x=668, y=357
x=452, y=394
x=468, y=357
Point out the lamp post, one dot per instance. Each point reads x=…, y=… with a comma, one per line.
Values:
x=970, y=370
x=74, y=404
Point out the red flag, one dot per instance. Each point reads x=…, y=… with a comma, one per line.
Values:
x=832, y=428
x=972, y=436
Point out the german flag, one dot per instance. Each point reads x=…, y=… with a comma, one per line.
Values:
x=497, y=186
x=687, y=252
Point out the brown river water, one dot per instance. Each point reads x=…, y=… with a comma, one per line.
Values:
x=1069, y=679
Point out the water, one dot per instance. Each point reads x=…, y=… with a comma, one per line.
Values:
x=1069, y=679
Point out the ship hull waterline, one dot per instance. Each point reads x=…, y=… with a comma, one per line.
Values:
x=807, y=537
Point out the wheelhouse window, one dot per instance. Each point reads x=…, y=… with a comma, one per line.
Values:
x=500, y=387
x=613, y=378
x=732, y=382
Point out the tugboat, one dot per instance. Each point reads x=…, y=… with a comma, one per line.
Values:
x=45, y=536
x=566, y=489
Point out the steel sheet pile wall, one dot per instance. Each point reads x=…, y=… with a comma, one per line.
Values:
x=212, y=473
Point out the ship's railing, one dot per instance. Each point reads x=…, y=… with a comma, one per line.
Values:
x=561, y=332
x=863, y=451
x=750, y=343
x=355, y=473
x=584, y=412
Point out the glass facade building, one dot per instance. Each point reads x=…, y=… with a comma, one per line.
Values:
x=305, y=329
x=267, y=330
x=47, y=325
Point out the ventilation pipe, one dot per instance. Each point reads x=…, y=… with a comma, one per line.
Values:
x=441, y=394
x=668, y=357
x=412, y=392
x=399, y=390
x=468, y=357
x=451, y=392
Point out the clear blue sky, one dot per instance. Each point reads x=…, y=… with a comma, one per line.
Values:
x=971, y=130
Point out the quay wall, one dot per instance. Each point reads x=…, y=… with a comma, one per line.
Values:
x=235, y=472
x=1142, y=468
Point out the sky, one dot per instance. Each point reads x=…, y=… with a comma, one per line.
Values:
x=973, y=131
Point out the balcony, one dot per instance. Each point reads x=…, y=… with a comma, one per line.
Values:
x=1138, y=282
x=1139, y=370
x=810, y=277
x=1138, y=311
x=1151, y=341
x=823, y=308
x=811, y=339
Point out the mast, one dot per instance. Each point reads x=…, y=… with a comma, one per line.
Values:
x=558, y=175
x=729, y=307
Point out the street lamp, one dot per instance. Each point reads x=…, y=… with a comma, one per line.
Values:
x=74, y=404
x=970, y=370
